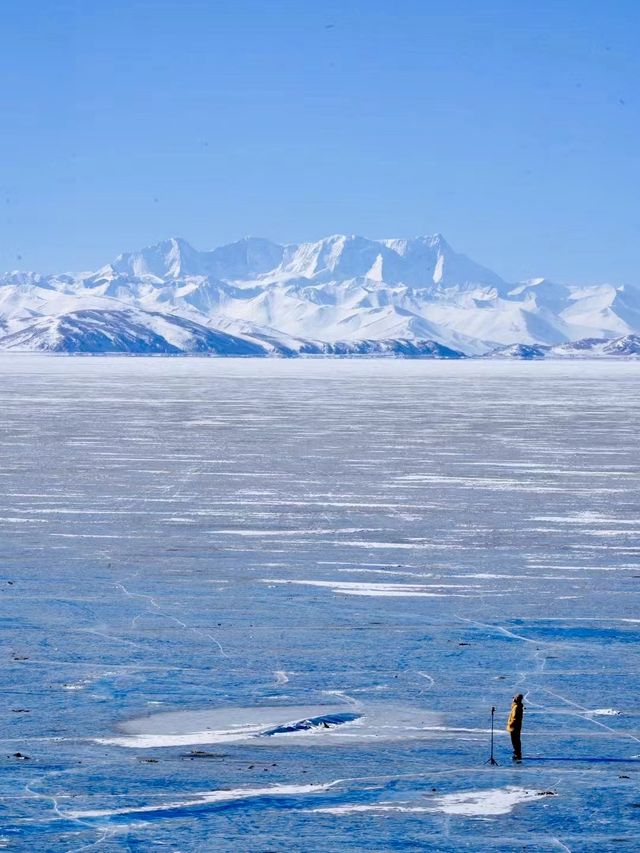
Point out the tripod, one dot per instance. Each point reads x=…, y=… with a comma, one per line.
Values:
x=491, y=760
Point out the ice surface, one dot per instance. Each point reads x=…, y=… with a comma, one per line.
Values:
x=205, y=561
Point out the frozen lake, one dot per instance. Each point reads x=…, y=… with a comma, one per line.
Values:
x=268, y=605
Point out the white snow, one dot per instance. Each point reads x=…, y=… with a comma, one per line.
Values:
x=394, y=590
x=338, y=289
x=482, y=803
x=495, y=801
x=603, y=712
x=201, y=799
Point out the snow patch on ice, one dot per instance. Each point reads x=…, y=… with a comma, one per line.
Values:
x=495, y=801
x=603, y=712
x=374, y=589
x=488, y=803
x=281, y=676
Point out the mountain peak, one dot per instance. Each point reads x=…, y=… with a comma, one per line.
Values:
x=339, y=256
x=436, y=239
x=170, y=258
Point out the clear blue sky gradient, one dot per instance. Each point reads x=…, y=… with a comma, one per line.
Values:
x=512, y=128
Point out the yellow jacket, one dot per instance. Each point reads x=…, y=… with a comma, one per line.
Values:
x=514, y=723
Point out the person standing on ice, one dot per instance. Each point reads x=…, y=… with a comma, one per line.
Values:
x=514, y=726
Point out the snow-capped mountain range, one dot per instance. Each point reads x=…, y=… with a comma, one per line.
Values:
x=341, y=295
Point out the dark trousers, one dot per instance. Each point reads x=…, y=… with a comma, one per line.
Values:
x=515, y=742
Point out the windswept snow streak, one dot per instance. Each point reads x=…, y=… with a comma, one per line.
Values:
x=201, y=799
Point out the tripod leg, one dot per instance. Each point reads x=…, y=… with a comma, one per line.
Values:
x=491, y=760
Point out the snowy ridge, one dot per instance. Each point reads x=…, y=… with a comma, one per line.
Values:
x=342, y=295
x=627, y=345
x=104, y=331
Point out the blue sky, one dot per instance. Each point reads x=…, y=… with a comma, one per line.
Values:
x=512, y=128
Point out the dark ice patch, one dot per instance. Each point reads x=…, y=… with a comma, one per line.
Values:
x=324, y=721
